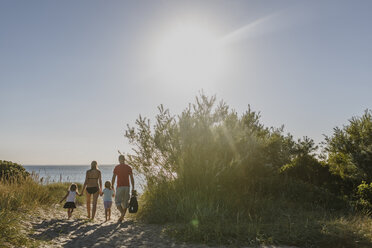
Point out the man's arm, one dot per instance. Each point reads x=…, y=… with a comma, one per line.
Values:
x=132, y=181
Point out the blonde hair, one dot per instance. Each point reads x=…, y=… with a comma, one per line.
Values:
x=73, y=187
x=108, y=185
x=93, y=165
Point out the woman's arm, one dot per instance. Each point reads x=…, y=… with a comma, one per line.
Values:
x=64, y=198
x=100, y=181
x=85, y=182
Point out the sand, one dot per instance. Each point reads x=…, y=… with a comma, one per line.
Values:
x=52, y=229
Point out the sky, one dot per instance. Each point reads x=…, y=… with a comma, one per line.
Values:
x=73, y=74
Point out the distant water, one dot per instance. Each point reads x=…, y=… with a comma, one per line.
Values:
x=76, y=173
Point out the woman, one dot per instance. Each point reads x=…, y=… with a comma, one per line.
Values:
x=93, y=185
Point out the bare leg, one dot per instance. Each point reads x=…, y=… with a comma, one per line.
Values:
x=122, y=211
x=88, y=204
x=109, y=213
x=95, y=198
x=106, y=213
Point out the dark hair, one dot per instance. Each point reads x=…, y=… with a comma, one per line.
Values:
x=121, y=157
x=73, y=187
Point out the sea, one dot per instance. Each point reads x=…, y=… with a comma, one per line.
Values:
x=76, y=174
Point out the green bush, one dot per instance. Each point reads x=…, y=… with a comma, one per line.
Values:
x=364, y=194
x=207, y=144
x=349, y=148
x=11, y=171
x=308, y=169
x=214, y=176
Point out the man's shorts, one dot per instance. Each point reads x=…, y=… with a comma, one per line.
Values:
x=122, y=196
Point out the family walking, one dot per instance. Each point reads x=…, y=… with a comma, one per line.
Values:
x=93, y=186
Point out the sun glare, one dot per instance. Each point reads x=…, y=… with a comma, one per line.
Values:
x=187, y=54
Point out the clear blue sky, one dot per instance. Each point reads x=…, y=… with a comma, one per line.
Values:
x=74, y=73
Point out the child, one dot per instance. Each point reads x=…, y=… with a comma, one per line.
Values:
x=107, y=193
x=70, y=202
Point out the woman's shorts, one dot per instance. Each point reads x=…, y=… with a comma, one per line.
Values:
x=122, y=196
x=107, y=204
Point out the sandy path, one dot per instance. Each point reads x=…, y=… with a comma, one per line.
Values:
x=53, y=229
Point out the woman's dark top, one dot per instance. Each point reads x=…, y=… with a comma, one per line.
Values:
x=92, y=181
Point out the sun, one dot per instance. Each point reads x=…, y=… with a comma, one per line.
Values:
x=187, y=53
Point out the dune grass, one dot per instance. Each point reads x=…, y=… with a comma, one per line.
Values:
x=287, y=212
x=21, y=197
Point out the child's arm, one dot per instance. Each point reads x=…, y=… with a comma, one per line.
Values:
x=101, y=193
x=64, y=198
x=113, y=192
x=77, y=192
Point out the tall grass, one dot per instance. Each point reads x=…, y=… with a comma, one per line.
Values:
x=277, y=211
x=19, y=197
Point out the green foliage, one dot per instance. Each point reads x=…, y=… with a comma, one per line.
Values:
x=206, y=141
x=350, y=149
x=306, y=167
x=214, y=175
x=11, y=171
x=364, y=194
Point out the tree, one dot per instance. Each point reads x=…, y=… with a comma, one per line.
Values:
x=305, y=166
x=349, y=149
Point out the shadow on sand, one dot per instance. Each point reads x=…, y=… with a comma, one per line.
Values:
x=52, y=229
x=82, y=233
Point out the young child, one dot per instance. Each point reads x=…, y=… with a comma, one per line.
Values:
x=70, y=201
x=107, y=193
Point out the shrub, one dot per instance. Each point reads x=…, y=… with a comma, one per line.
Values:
x=11, y=171
x=350, y=148
x=308, y=169
x=364, y=194
x=206, y=144
x=214, y=175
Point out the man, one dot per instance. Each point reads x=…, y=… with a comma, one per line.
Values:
x=122, y=171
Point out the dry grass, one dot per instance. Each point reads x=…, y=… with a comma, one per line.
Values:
x=19, y=198
x=299, y=215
